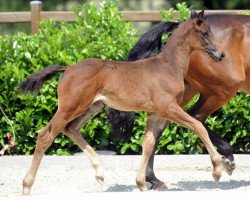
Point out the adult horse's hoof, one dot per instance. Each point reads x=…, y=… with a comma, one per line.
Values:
x=159, y=186
x=228, y=165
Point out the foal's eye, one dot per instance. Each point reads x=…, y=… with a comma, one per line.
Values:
x=204, y=33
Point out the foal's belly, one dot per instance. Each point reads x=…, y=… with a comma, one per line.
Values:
x=124, y=104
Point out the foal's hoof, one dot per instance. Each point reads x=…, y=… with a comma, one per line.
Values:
x=228, y=165
x=100, y=179
x=143, y=189
x=159, y=186
x=216, y=177
x=26, y=191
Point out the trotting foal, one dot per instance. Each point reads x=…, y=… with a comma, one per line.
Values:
x=154, y=85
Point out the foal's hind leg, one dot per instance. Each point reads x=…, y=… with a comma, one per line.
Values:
x=147, y=148
x=72, y=130
x=44, y=140
x=155, y=125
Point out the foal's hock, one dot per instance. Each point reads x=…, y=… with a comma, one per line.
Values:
x=154, y=85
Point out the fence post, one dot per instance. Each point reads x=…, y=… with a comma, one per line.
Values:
x=35, y=15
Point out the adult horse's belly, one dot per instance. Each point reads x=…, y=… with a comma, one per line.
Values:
x=245, y=87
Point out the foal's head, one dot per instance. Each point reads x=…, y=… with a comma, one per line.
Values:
x=200, y=37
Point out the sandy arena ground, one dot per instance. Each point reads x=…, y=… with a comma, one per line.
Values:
x=73, y=174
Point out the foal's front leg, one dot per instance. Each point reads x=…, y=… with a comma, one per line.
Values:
x=176, y=114
x=205, y=106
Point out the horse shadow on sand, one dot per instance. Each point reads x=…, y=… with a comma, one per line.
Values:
x=208, y=185
x=188, y=186
x=121, y=188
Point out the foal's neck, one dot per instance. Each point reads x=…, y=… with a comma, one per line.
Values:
x=177, y=52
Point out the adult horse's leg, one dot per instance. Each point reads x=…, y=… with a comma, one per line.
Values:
x=72, y=130
x=158, y=126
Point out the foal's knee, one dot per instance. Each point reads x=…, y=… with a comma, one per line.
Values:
x=198, y=128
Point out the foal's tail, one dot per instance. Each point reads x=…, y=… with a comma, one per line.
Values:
x=122, y=123
x=33, y=83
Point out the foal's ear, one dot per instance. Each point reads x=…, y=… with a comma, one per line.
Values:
x=199, y=17
x=193, y=14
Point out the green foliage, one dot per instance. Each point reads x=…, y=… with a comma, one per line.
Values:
x=232, y=122
x=98, y=32
x=181, y=13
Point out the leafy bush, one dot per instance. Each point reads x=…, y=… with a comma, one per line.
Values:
x=232, y=122
x=101, y=33
x=98, y=32
x=181, y=13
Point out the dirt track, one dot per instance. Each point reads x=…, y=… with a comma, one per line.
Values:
x=73, y=173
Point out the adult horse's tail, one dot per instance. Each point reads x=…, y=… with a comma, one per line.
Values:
x=34, y=82
x=150, y=41
x=121, y=123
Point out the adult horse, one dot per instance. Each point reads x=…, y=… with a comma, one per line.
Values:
x=217, y=82
x=154, y=85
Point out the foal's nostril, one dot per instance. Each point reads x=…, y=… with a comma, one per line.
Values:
x=222, y=56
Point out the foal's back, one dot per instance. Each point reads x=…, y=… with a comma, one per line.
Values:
x=127, y=86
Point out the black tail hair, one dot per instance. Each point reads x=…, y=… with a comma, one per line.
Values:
x=122, y=123
x=34, y=82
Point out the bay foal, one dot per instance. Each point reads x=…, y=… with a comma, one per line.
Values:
x=154, y=85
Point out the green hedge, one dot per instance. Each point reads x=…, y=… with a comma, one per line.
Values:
x=98, y=32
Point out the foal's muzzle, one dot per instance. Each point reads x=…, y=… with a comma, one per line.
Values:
x=217, y=56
